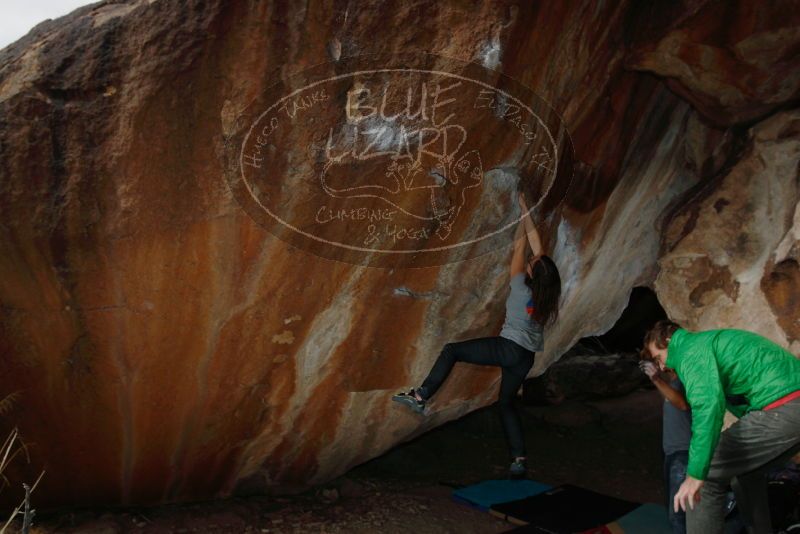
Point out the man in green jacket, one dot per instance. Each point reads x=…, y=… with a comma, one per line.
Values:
x=712, y=365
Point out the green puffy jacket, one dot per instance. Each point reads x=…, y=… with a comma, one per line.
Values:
x=716, y=363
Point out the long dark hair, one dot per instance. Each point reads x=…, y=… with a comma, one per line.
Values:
x=545, y=285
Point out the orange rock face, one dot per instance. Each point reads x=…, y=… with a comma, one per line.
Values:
x=191, y=299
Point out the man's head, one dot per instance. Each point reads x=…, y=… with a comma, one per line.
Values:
x=656, y=341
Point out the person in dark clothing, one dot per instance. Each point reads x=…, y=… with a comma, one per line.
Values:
x=531, y=304
x=676, y=435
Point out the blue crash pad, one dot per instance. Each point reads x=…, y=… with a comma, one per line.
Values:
x=484, y=494
x=646, y=519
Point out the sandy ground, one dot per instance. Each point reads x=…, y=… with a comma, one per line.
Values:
x=610, y=446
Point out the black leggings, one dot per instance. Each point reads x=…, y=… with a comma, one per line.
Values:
x=515, y=361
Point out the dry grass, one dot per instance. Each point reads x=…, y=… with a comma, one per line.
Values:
x=11, y=449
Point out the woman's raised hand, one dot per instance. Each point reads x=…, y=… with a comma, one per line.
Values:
x=522, y=205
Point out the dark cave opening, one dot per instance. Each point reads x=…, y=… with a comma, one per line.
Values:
x=643, y=310
x=604, y=366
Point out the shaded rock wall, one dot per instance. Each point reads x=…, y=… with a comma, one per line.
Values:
x=730, y=253
x=166, y=347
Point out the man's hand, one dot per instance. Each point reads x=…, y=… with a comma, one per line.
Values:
x=649, y=368
x=522, y=205
x=688, y=494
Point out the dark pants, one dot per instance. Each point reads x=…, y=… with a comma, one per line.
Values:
x=515, y=362
x=674, y=475
x=753, y=444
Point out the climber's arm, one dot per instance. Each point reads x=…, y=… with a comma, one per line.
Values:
x=530, y=229
x=520, y=246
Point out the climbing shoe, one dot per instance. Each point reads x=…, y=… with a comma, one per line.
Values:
x=409, y=399
x=517, y=469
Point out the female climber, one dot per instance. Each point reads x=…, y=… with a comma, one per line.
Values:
x=531, y=305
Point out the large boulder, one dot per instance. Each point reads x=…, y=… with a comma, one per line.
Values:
x=586, y=375
x=730, y=252
x=165, y=340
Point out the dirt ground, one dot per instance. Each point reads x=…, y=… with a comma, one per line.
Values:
x=611, y=446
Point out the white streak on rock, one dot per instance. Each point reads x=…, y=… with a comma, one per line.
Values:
x=491, y=53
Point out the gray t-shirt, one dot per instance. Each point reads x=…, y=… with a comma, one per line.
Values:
x=518, y=326
x=677, y=428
